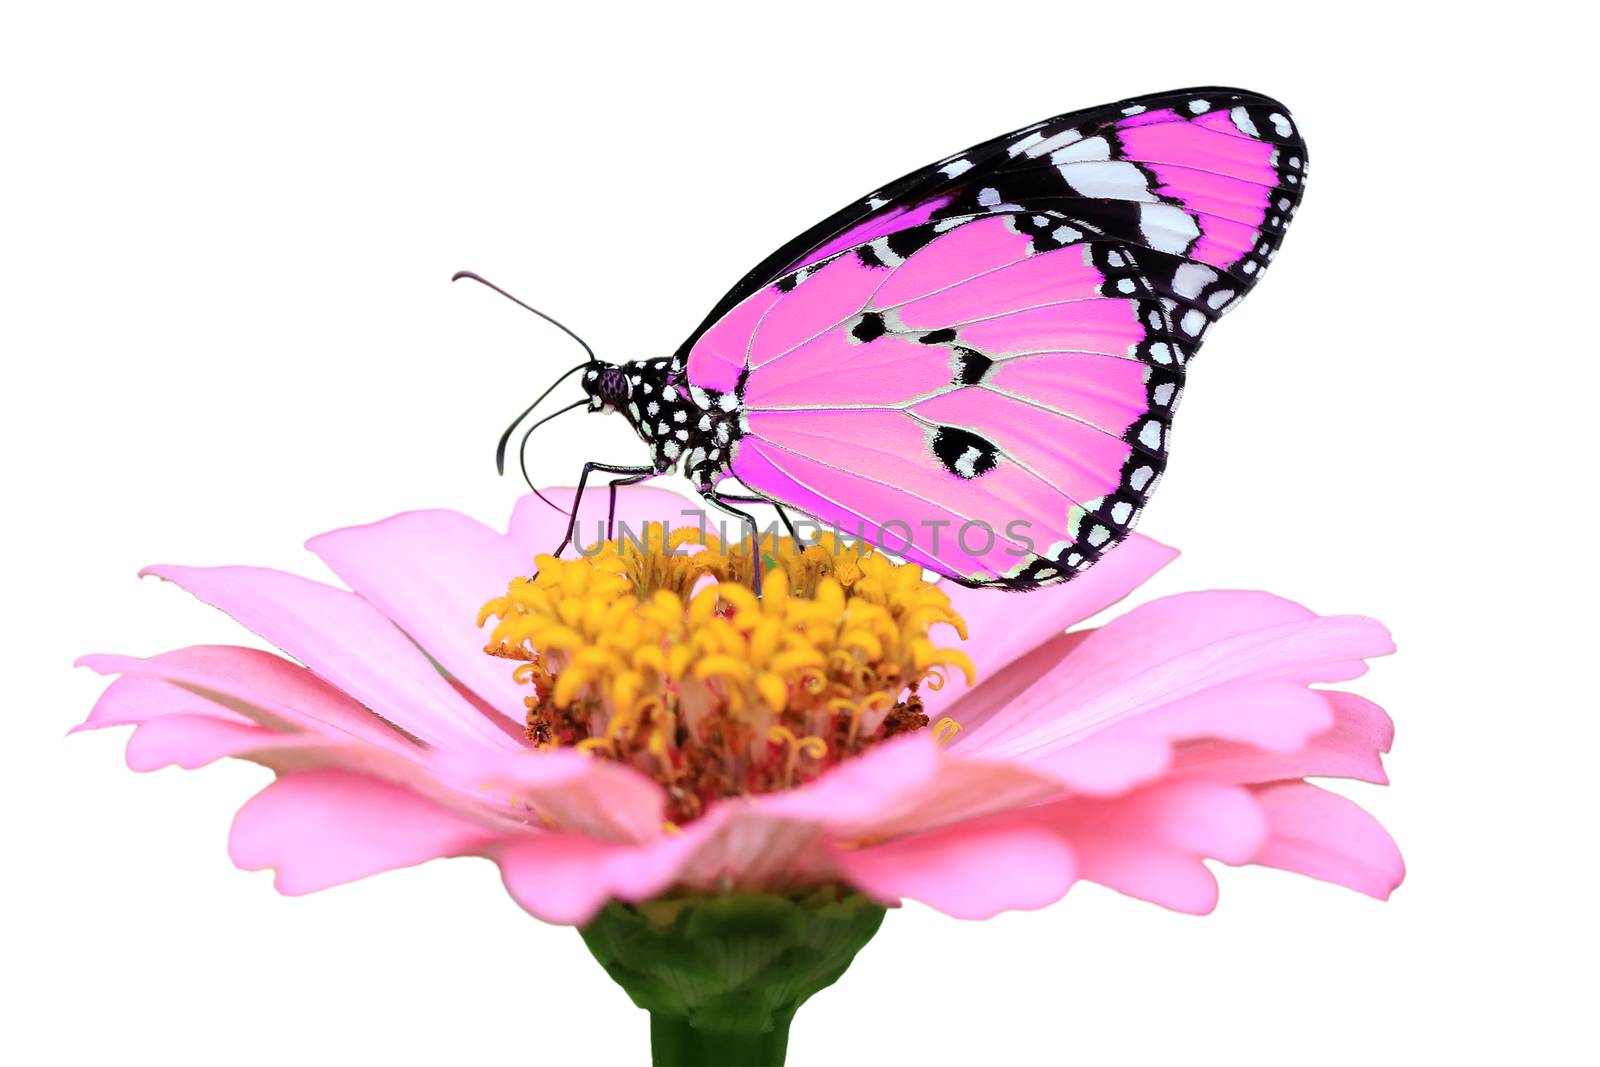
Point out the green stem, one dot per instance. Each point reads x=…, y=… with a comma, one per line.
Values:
x=675, y=1042
x=722, y=976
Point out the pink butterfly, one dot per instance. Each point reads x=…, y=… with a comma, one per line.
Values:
x=976, y=367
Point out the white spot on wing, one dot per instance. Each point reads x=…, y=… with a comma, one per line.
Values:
x=1050, y=144
x=1190, y=278
x=1095, y=148
x=1022, y=144
x=1150, y=435
x=885, y=254
x=1167, y=227
x=1108, y=180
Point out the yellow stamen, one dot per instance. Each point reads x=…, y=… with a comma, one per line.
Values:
x=812, y=746
x=657, y=654
x=945, y=730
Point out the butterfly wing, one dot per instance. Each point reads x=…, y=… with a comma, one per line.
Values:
x=978, y=366
x=1164, y=134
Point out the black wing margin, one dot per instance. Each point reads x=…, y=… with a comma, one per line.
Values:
x=1207, y=178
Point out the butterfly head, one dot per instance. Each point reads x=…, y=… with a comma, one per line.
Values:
x=607, y=385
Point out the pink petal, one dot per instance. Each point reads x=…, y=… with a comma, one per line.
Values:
x=740, y=846
x=1002, y=627
x=1325, y=836
x=1272, y=715
x=1350, y=748
x=1269, y=714
x=1136, y=869
x=857, y=790
x=1169, y=650
x=897, y=789
x=996, y=692
x=972, y=871
x=133, y=699
x=905, y=786
x=431, y=572
x=191, y=741
x=239, y=684
x=196, y=705
x=322, y=828
x=1150, y=844
x=562, y=878
x=348, y=642
x=569, y=790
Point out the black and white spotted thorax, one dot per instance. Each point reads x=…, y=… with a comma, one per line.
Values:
x=688, y=428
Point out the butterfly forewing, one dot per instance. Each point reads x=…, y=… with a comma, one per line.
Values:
x=977, y=366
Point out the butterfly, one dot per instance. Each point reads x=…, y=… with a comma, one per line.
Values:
x=976, y=367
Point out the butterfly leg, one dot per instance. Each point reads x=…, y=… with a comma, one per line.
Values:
x=611, y=505
x=637, y=473
x=749, y=522
x=783, y=516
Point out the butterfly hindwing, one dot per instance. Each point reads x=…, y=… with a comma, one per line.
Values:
x=993, y=405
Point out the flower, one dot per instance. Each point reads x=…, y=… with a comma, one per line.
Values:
x=655, y=652
x=736, y=745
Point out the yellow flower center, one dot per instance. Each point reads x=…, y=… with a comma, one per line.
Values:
x=655, y=652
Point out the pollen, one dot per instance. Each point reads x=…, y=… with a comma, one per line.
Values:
x=654, y=652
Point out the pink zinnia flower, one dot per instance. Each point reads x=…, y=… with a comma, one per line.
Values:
x=1126, y=755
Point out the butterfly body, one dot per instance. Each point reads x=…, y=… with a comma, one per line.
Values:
x=686, y=427
x=977, y=365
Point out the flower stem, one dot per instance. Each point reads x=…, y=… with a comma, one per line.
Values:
x=675, y=1042
x=722, y=976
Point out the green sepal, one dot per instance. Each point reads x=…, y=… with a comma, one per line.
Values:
x=722, y=976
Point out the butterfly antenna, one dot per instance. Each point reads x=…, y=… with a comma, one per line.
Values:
x=522, y=451
x=458, y=275
x=505, y=438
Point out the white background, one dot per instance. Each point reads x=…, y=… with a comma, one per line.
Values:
x=227, y=237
